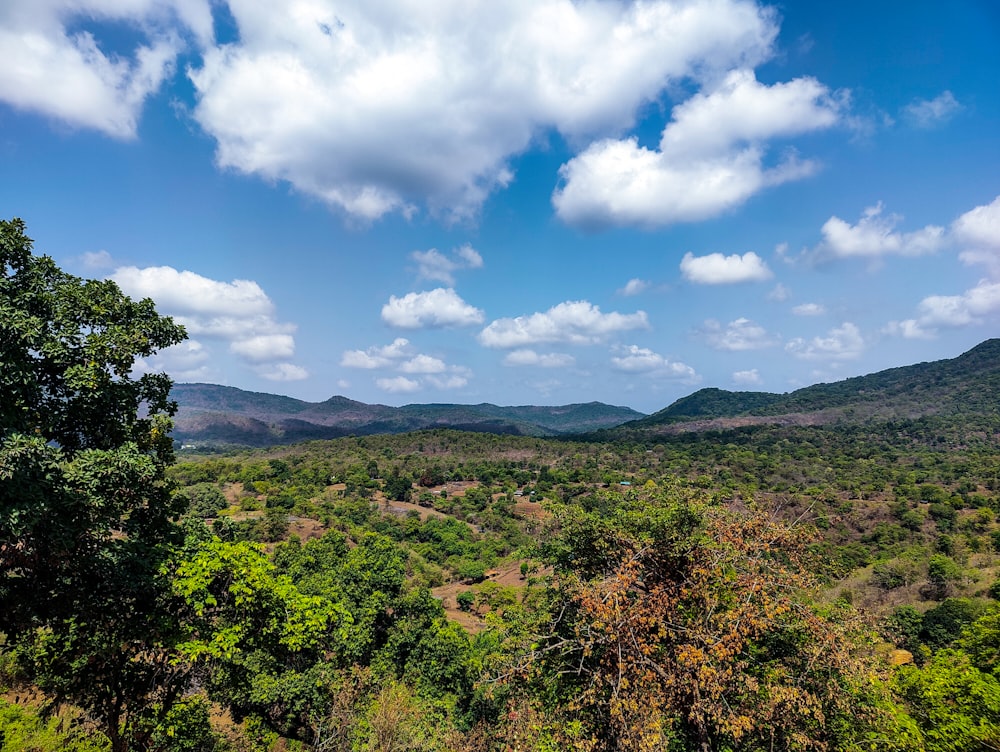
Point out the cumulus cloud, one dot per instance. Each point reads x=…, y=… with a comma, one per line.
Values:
x=642, y=360
x=809, y=309
x=971, y=308
x=711, y=156
x=716, y=269
x=437, y=308
x=453, y=381
x=741, y=334
x=841, y=343
x=634, y=287
x=927, y=113
x=378, y=108
x=750, y=377
x=238, y=312
x=375, y=356
x=434, y=265
x=185, y=361
x=423, y=364
x=264, y=347
x=575, y=322
x=875, y=235
x=420, y=369
x=283, y=372
x=978, y=231
x=59, y=65
x=543, y=360
x=398, y=385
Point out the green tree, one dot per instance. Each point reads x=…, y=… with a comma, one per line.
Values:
x=398, y=487
x=956, y=706
x=86, y=515
x=259, y=639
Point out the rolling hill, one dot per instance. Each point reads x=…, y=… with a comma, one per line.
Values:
x=968, y=385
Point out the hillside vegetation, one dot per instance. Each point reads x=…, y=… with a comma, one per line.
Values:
x=962, y=386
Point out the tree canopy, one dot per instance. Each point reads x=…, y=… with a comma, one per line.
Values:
x=86, y=515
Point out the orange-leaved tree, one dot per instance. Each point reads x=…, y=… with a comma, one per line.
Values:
x=681, y=625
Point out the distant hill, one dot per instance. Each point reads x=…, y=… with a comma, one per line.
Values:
x=209, y=414
x=966, y=385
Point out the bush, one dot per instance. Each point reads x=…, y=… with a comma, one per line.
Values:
x=205, y=500
x=465, y=599
x=943, y=624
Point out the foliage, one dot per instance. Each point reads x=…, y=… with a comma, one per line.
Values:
x=24, y=731
x=956, y=705
x=85, y=513
x=678, y=623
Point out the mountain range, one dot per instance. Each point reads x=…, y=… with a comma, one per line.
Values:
x=209, y=414
x=968, y=385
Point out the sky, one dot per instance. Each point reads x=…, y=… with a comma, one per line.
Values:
x=517, y=202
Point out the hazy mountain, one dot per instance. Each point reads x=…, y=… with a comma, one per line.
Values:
x=212, y=414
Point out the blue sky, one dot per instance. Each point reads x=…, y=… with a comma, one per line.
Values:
x=527, y=202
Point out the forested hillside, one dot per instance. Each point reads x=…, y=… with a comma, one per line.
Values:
x=964, y=386
x=748, y=588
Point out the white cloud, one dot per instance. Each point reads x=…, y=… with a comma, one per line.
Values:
x=747, y=378
x=711, y=156
x=192, y=293
x=971, y=308
x=398, y=385
x=542, y=360
x=56, y=63
x=377, y=108
x=434, y=265
x=421, y=370
x=454, y=381
x=635, y=359
x=736, y=336
x=239, y=312
x=575, y=322
x=265, y=347
x=283, y=372
x=634, y=287
x=874, y=235
x=471, y=257
x=978, y=230
x=841, y=343
x=809, y=309
x=436, y=308
x=716, y=269
x=927, y=113
x=376, y=357
x=423, y=364
x=185, y=361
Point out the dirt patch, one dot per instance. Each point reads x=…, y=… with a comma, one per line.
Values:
x=233, y=492
x=530, y=510
x=305, y=528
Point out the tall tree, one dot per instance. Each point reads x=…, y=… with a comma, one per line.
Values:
x=86, y=514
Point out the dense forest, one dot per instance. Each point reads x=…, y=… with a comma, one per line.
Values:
x=762, y=585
